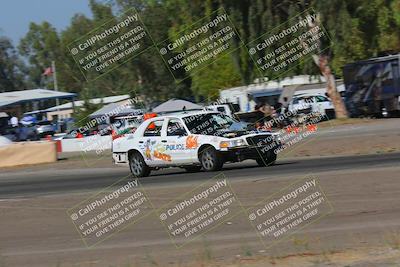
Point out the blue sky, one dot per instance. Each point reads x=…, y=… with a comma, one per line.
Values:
x=15, y=15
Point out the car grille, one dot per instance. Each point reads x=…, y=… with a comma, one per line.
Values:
x=260, y=140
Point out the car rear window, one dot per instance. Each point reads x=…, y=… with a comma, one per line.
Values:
x=154, y=128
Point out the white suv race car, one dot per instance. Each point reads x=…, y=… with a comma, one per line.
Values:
x=192, y=141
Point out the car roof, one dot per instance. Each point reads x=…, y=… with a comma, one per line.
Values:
x=183, y=114
x=309, y=94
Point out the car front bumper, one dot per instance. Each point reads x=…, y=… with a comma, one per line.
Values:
x=249, y=152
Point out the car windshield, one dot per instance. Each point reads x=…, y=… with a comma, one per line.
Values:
x=212, y=123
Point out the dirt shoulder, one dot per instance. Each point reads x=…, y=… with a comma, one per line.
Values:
x=371, y=256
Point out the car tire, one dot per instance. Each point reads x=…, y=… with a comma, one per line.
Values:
x=210, y=159
x=266, y=160
x=192, y=168
x=138, y=166
x=34, y=137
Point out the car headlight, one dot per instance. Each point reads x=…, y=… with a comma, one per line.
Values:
x=232, y=143
x=238, y=142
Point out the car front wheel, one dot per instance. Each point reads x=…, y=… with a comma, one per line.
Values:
x=267, y=159
x=210, y=160
x=137, y=165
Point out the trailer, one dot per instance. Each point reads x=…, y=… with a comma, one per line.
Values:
x=373, y=87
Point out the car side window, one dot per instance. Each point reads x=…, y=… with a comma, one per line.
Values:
x=308, y=99
x=221, y=109
x=154, y=128
x=321, y=99
x=175, y=128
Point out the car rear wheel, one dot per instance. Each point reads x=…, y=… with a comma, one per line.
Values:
x=34, y=137
x=137, y=165
x=210, y=160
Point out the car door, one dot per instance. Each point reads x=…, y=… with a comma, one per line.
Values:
x=297, y=105
x=175, y=142
x=323, y=103
x=151, y=145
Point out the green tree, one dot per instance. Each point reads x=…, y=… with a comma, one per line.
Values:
x=219, y=75
x=358, y=29
x=12, y=69
x=388, y=27
x=40, y=46
x=151, y=77
x=69, y=75
x=81, y=114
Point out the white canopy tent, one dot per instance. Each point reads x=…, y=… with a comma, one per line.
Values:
x=174, y=105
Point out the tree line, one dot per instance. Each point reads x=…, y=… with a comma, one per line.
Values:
x=358, y=29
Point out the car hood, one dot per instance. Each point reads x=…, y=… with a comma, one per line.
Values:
x=239, y=129
x=235, y=134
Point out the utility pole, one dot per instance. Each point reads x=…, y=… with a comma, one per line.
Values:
x=53, y=67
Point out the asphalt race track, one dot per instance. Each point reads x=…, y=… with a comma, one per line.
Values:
x=26, y=184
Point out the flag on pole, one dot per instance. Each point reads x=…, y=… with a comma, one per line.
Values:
x=48, y=71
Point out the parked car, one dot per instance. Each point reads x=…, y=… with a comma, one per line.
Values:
x=44, y=128
x=21, y=133
x=4, y=141
x=316, y=103
x=193, y=140
x=74, y=133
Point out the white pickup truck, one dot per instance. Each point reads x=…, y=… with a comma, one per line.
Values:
x=192, y=141
x=314, y=103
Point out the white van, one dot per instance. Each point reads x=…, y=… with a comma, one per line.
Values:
x=227, y=109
